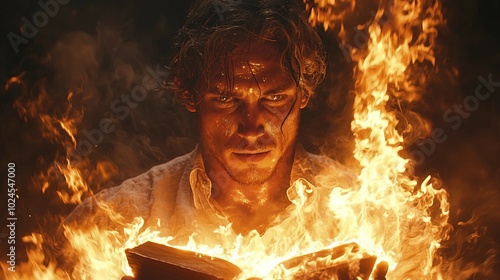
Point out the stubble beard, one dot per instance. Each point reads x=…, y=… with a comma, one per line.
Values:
x=251, y=175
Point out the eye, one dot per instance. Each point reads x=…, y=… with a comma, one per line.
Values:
x=276, y=97
x=224, y=101
x=223, y=98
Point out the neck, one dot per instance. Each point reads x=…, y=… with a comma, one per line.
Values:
x=252, y=206
x=232, y=192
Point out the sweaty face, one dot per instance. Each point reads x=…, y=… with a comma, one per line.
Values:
x=249, y=116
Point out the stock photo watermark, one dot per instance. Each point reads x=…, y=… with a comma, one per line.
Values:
x=120, y=107
x=29, y=28
x=455, y=116
x=11, y=216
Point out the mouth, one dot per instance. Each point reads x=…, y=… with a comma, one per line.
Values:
x=250, y=156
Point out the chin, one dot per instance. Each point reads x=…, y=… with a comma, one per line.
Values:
x=251, y=175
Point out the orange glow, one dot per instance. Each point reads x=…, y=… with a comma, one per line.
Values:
x=388, y=212
x=60, y=130
x=16, y=80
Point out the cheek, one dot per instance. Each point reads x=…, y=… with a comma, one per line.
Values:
x=217, y=127
x=290, y=127
x=285, y=118
x=225, y=125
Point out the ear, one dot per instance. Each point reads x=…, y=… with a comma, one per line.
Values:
x=189, y=101
x=304, y=99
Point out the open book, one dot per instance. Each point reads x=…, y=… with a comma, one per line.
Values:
x=155, y=261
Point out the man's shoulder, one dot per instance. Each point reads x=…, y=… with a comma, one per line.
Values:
x=132, y=198
x=158, y=173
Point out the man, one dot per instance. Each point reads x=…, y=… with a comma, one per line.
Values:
x=247, y=83
x=246, y=71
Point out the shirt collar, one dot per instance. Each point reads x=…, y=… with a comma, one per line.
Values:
x=200, y=183
x=301, y=189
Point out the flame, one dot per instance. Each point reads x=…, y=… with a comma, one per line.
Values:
x=37, y=266
x=16, y=80
x=256, y=255
x=328, y=12
x=68, y=176
x=389, y=213
x=60, y=129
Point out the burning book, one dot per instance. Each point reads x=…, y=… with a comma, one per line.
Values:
x=155, y=261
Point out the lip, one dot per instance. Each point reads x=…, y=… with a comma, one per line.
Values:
x=250, y=156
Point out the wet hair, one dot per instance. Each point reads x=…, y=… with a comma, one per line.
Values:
x=213, y=29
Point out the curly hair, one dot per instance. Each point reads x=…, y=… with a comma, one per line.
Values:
x=214, y=28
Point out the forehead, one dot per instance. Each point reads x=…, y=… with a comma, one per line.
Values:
x=261, y=57
x=258, y=61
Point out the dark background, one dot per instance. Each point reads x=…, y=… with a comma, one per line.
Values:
x=99, y=49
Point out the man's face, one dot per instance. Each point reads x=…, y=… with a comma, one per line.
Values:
x=249, y=116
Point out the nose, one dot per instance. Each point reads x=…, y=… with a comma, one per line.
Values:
x=251, y=122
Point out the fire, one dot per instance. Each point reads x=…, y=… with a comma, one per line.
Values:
x=37, y=267
x=60, y=129
x=16, y=80
x=328, y=12
x=389, y=213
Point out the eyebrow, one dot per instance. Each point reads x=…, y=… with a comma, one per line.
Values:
x=279, y=88
x=282, y=87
